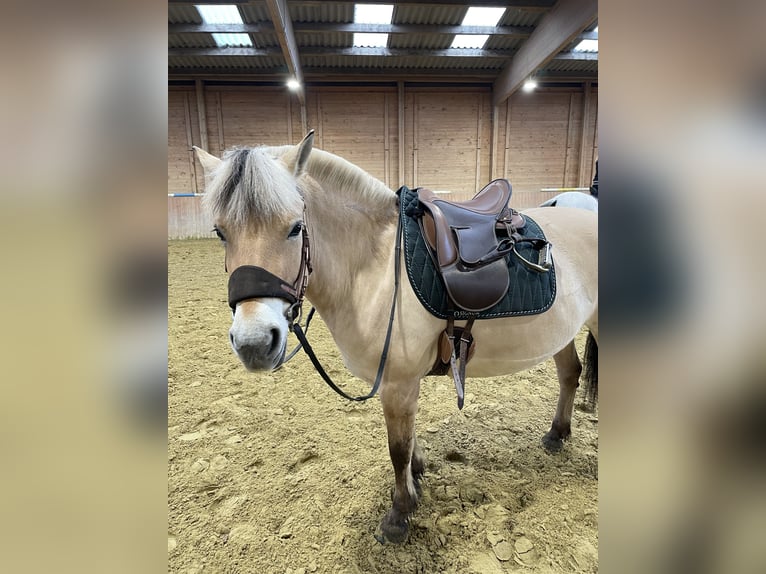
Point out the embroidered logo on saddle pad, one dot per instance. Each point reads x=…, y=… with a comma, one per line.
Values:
x=530, y=292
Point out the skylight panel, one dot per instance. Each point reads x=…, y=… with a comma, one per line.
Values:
x=482, y=16
x=224, y=14
x=469, y=40
x=220, y=14
x=373, y=13
x=366, y=40
x=587, y=46
x=232, y=39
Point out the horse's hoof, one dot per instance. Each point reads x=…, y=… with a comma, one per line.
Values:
x=392, y=530
x=552, y=443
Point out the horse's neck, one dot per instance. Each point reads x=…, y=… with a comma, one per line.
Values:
x=352, y=237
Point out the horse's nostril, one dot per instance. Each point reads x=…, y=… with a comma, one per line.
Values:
x=231, y=337
x=274, y=341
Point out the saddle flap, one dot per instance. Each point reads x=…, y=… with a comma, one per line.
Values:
x=478, y=289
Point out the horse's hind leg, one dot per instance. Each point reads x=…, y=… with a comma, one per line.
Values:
x=568, y=367
x=400, y=404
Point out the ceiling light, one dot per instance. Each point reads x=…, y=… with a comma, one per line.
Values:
x=293, y=84
x=529, y=85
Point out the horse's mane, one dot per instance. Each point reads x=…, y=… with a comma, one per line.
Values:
x=250, y=184
x=337, y=174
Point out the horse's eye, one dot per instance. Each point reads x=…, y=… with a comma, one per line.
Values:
x=219, y=234
x=296, y=230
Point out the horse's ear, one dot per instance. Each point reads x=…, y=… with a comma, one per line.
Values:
x=304, y=151
x=209, y=162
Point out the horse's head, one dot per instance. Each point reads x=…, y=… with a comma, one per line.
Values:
x=258, y=210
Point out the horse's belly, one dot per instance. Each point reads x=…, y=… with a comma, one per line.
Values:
x=497, y=367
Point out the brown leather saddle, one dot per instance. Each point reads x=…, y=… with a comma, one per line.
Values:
x=468, y=241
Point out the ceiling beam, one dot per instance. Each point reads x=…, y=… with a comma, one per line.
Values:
x=375, y=52
x=580, y=56
x=352, y=27
x=229, y=51
x=336, y=74
x=355, y=51
x=530, y=5
x=254, y=28
x=556, y=30
x=283, y=27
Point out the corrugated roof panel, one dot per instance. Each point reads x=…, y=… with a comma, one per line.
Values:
x=429, y=14
x=191, y=41
x=572, y=66
x=227, y=62
x=422, y=41
x=325, y=39
x=322, y=12
x=503, y=43
x=252, y=13
x=183, y=14
x=521, y=17
x=388, y=62
x=265, y=39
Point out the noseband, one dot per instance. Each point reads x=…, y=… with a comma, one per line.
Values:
x=253, y=282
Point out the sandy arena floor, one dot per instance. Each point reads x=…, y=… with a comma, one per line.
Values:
x=274, y=473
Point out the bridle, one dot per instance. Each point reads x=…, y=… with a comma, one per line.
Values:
x=252, y=282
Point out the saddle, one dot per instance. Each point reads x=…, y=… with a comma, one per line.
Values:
x=468, y=240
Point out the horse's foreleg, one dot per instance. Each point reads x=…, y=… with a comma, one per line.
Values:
x=568, y=368
x=400, y=405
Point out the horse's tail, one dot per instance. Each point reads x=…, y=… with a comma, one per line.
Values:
x=590, y=371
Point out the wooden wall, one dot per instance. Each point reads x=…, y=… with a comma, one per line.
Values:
x=451, y=138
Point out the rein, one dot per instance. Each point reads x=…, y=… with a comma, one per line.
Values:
x=249, y=282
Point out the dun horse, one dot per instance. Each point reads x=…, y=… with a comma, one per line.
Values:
x=270, y=203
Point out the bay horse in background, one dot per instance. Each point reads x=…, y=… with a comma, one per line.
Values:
x=269, y=202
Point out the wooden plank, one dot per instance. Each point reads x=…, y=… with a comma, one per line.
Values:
x=400, y=107
x=201, y=114
x=190, y=143
x=493, y=144
x=477, y=181
x=570, y=128
x=507, y=137
x=581, y=175
x=386, y=141
x=415, y=139
x=320, y=131
x=290, y=120
x=219, y=112
x=557, y=28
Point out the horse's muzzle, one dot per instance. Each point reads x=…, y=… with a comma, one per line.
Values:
x=265, y=354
